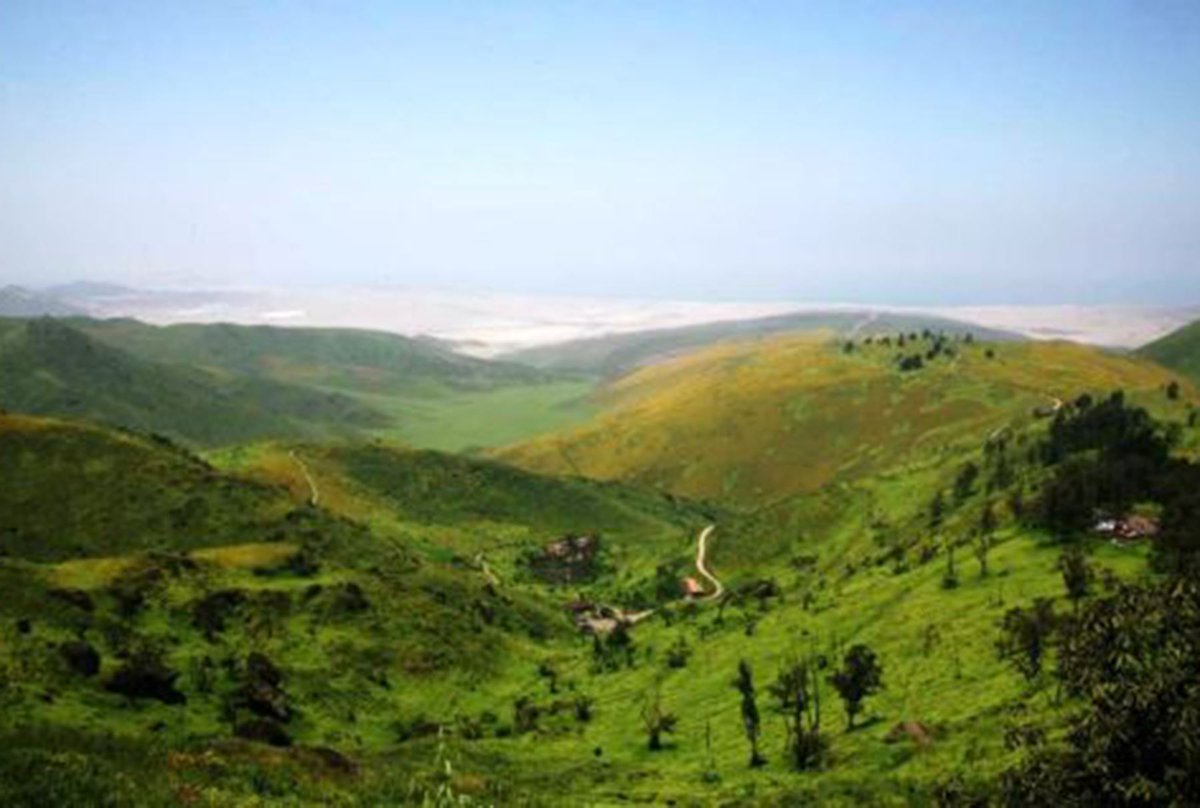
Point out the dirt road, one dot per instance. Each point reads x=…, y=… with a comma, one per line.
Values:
x=702, y=567
x=313, y=494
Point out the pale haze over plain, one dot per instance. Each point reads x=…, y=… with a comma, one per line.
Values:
x=903, y=153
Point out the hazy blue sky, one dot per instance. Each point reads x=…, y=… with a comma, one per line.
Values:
x=877, y=152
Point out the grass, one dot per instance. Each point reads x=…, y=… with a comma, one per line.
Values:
x=751, y=422
x=457, y=420
x=1179, y=351
x=376, y=610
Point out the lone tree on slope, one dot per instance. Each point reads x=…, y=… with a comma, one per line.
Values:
x=750, y=718
x=798, y=692
x=657, y=721
x=1077, y=574
x=860, y=676
x=1026, y=636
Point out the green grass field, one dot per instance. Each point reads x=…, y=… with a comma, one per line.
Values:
x=457, y=420
x=414, y=654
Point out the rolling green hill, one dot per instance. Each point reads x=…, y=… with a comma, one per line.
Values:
x=1179, y=351
x=76, y=490
x=347, y=359
x=48, y=367
x=750, y=422
x=465, y=509
x=172, y=595
x=620, y=353
x=361, y=623
x=415, y=390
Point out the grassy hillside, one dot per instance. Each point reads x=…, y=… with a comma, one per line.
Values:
x=371, y=361
x=393, y=644
x=754, y=421
x=464, y=510
x=417, y=390
x=50, y=368
x=620, y=353
x=1179, y=351
x=74, y=490
x=171, y=606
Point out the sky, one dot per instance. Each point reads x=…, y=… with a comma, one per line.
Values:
x=902, y=153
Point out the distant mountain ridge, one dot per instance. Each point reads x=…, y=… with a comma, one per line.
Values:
x=329, y=357
x=49, y=367
x=17, y=301
x=618, y=353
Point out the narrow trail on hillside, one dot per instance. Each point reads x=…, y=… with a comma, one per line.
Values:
x=486, y=569
x=1056, y=404
x=702, y=567
x=863, y=323
x=314, y=495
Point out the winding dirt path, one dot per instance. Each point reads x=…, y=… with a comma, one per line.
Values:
x=314, y=495
x=633, y=618
x=702, y=567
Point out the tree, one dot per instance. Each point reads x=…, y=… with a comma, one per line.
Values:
x=937, y=510
x=1077, y=574
x=1025, y=636
x=750, y=718
x=983, y=541
x=964, y=483
x=982, y=546
x=1173, y=390
x=860, y=676
x=797, y=690
x=1134, y=660
x=678, y=653
x=950, y=577
x=657, y=721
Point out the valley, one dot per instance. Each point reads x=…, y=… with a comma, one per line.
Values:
x=309, y=617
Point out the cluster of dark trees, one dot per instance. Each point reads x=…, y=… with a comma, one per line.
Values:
x=1129, y=659
x=1107, y=456
x=939, y=344
x=1132, y=660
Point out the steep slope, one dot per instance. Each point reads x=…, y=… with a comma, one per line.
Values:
x=1179, y=350
x=754, y=421
x=465, y=509
x=619, y=353
x=143, y=588
x=74, y=489
x=50, y=368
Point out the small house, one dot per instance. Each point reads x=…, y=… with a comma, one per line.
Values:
x=1128, y=528
x=692, y=588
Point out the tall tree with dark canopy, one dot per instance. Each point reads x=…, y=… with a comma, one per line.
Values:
x=1077, y=573
x=797, y=689
x=860, y=676
x=750, y=717
x=1026, y=635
